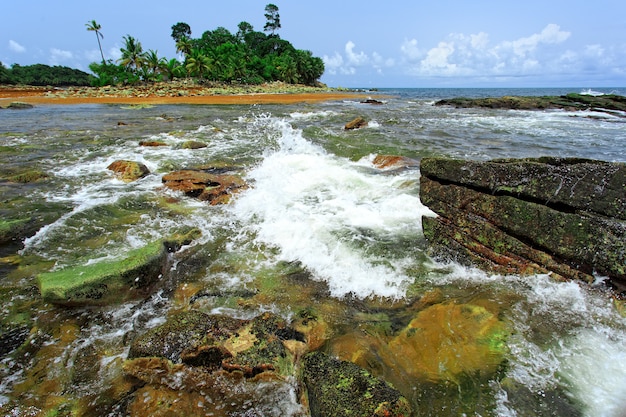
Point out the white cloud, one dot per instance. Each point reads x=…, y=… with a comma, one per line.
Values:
x=551, y=34
x=59, y=56
x=351, y=60
x=16, y=47
x=475, y=55
x=410, y=50
x=354, y=58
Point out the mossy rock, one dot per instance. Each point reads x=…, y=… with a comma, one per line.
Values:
x=217, y=342
x=193, y=144
x=12, y=229
x=341, y=388
x=28, y=177
x=128, y=171
x=111, y=281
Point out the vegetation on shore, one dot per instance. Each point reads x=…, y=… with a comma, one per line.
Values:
x=217, y=57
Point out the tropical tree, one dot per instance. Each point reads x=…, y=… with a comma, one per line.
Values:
x=198, y=64
x=154, y=66
x=132, y=53
x=180, y=30
x=184, y=45
x=93, y=26
x=273, y=18
x=245, y=29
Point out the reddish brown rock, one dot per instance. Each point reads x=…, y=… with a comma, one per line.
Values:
x=152, y=143
x=393, y=162
x=214, y=188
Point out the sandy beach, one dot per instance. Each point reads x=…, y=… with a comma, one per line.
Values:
x=166, y=93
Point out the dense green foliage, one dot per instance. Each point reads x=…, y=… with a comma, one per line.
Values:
x=40, y=74
x=247, y=57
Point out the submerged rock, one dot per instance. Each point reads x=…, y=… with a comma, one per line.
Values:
x=128, y=171
x=559, y=216
x=341, y=388
x=218, y=342
x=393, y=162
x=446, y=341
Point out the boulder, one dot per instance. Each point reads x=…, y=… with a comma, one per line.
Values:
x=214, y=188
x=341, y=388
x=128, y=171
x=356, y=123
x=564, y=217
x=111, y=281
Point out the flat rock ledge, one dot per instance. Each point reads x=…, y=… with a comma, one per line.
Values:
x=560, y=216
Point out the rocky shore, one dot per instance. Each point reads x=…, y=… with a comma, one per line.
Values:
x=178, y=92
x=609, y=103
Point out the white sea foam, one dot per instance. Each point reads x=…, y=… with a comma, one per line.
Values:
x=311, y=205
x=593, y=364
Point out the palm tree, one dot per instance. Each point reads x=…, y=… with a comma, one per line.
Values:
x=132, y=53
x=198, y=64
x=95, y=27
x=184, y=45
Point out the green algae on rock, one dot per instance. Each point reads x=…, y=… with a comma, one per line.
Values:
x=110, y=281
x=563, y=217
x=129, y=171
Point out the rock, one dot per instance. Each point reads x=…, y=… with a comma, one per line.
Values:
x=371, y=101
x=573, y=101
x=357, y=123
x=152, y=143
x=128, y=171
x=218, y=342
x=19, y=105
x=193, y=144
x=341, y=388
x=565, y=217
x=111, y=281
x=214, y=188
x=393, y=162
x=446, y=341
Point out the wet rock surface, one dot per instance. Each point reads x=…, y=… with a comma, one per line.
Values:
x=341, y=388
x=206, y=186
x=606, y=103
x=128, y=171
x=559, y=216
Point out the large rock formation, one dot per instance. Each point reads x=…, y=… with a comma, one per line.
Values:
x=609, y=103
x=564, y=217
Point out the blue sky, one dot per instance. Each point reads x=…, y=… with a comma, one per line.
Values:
x=418, y=43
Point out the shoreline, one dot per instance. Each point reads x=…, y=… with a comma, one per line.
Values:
x=173, y=93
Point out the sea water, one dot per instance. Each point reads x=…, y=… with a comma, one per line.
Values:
x=316, y=200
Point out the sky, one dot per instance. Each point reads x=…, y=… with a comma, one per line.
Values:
x=378, y=44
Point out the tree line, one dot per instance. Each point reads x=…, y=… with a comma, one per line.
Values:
x=40, y=74
x=245, y=57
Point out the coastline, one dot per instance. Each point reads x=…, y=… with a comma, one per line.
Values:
x=173, y=93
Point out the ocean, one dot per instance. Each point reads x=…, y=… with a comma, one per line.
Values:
x=319, y=228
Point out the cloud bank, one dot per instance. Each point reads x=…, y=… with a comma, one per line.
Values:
x=476, y=56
